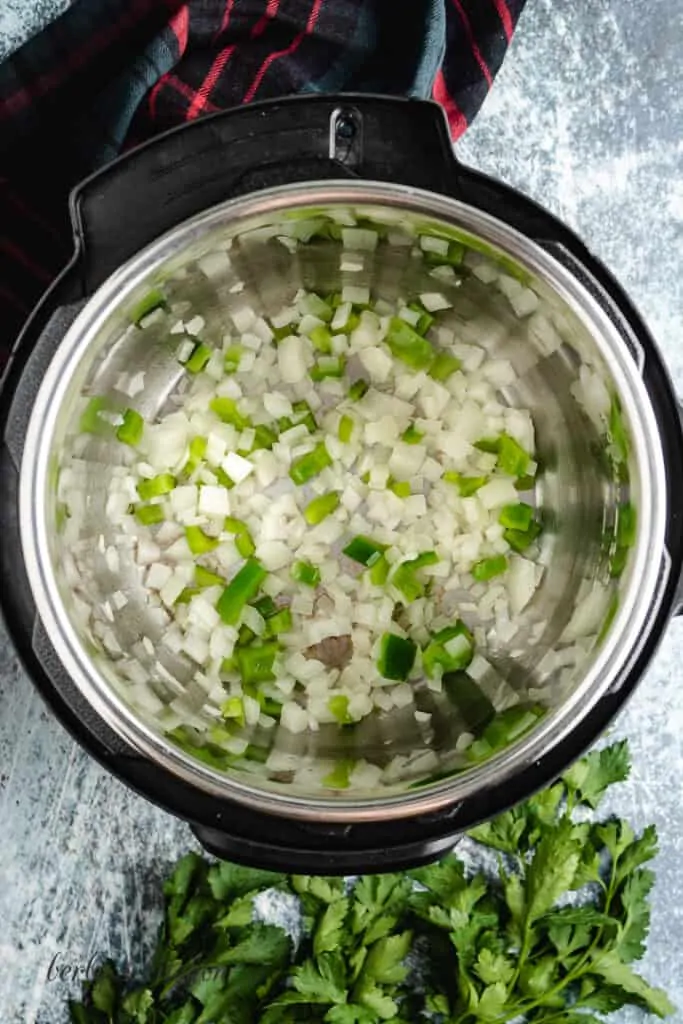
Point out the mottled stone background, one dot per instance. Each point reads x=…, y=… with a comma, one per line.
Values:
x=587, y=118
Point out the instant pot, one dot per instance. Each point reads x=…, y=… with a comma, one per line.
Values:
x=149, y=218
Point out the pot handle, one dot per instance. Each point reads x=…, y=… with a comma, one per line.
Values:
x=189, y=169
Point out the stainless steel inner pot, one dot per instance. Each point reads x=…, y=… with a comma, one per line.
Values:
x=570, y=643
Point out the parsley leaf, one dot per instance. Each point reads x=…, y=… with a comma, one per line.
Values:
x=610, y=967
x=588, y=779
x=480, y=948
x=552, y=868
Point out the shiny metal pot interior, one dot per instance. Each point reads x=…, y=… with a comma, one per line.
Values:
x=562, y=657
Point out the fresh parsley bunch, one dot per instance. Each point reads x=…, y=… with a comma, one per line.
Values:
x=548, y=936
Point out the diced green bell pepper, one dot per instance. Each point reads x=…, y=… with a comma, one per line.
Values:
x=198, y=446
x=444, y=366
x=232, y=357
x=227, y=411
x=255, y=663
x=411, y=435
x=205, y=578
x=148, y=515
x=404, y=577
x=401, y=488
x=338, y=778
x=437, y=653
x=328, y=366
x=233, y=709
x=345, y=431
x=520, y=540
x=199, y=357
x=358, y=389
x=379, y=572
x=281, y=622
x=364, y=550
x=155, y=299
x=339, y=707
x=157, y=486
x=131, y=430
x=512, y=458
x=320, y=508
x=488, y=568
x=426, y=319
x=467, y=485
x=265, y=606
x=409, y=346
x=321, y=339
x=396, y=657
x=516, y=517
x=241, y=589
x=199, y=542
x=307, y=466
x=304, y=572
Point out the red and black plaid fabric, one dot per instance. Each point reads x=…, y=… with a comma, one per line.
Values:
x=109, y=75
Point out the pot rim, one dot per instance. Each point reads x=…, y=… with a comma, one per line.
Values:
x=648, y=568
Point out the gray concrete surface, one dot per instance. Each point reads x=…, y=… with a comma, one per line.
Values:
x=586, y=117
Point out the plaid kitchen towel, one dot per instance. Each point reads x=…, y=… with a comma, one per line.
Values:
x=108, y=74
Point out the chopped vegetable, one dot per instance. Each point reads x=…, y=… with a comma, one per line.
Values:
x=320, y=508
x=328, y=366
x=304, y=572
x=345, y=431
x=487, y=568
x=244, y=542
x=242, y=588
x=512, y=459
x=405, y=579
x=199, y=542
x=411, y=435
x=409, y=346
x=451, y=648
x=198, y=447
x=396, y=657
x=339, y=777
x=255, y=663
x=339, y=707
x=199, y=358
x=467, y=485
x=364, y=550
x=425, y=319
x=148, y=515
x=307, y=466
x=227, y=411
x=516, y=517
x=358, y=389
x=131, y=430
x=205, y=578
x=490, y=445
x=444, y=366
x=91, y=421
x=266, y=607
x=231, y=358
x=379, y=572
x=233, y=709
x=520, y=540
x=159, y=485
x=155, y=299
x=401, y=488
x=281, y=622
x=322, y=339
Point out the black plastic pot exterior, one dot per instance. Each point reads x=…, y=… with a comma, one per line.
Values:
x=139, y=197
